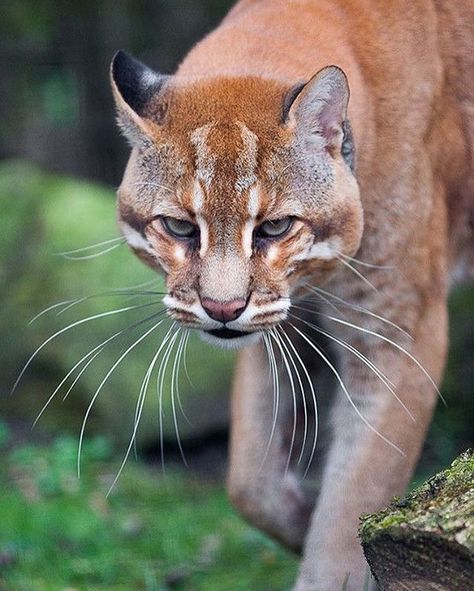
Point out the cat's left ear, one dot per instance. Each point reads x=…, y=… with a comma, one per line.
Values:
x=318, y=109
x=135, y=88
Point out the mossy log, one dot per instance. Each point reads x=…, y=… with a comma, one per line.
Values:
x=425, y=541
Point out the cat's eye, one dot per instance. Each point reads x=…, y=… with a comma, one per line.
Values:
x=274, y=228
x=179, y=228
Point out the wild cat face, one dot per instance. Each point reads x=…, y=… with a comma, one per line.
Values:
x=239, y=189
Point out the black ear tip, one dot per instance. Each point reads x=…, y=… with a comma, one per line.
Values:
x=121, y=61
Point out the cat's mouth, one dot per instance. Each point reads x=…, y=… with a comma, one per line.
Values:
x=228, y=338
x=226, y=333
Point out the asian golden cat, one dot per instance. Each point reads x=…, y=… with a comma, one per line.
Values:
x=258, y=186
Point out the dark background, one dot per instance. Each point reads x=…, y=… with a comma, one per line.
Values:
x=56, y=106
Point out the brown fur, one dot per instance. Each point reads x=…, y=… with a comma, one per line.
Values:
x=233, y=130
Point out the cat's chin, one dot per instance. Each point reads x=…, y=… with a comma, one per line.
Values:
x=229, y=339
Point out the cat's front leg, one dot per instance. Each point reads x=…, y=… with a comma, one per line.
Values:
x=260, y=484
x=376, y=443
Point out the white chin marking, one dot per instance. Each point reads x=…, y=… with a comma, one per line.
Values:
x=237, y=343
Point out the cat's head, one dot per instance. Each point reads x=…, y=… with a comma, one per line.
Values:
x=239, y=189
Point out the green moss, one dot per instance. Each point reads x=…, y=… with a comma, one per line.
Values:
x=445, y=502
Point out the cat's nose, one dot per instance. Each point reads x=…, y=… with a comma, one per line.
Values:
x=223, y=311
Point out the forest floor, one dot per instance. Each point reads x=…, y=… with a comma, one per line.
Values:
x=154, y=532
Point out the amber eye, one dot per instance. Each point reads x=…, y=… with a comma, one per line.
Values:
x=179, y=228
x=275, y=228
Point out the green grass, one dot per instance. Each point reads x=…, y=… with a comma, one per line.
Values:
x=153, y=533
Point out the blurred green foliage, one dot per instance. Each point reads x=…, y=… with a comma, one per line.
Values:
x=43, y=215
x=153, y=533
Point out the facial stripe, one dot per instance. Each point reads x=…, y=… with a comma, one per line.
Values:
x=205, y=159
x=203, y=235
x=247, y=237
x=198, y=197
x=246, y=163
x=253, y=203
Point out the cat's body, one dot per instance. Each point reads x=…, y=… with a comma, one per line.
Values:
x=235, y=146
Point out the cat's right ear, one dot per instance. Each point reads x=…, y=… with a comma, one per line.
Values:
x=135, y=88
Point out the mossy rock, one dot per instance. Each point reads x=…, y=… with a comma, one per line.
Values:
x=425, y=541
x=41, y=215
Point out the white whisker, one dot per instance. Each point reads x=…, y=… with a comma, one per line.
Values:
x=276, y=395
x=344, y=389
x=315, y=404
x=358, y=308
x=91, y=256
x=70, y=327
x=92, y=246
x=160, y=381
x=276, y=337
x=394, y=344
x=383, y=378
x=178, y=395
x=357, y=272
x=363, y=264
x=138, y=413
x=174, y=378
x=78, y=377
x=101, y=346
x=49, y=308
x=97, y=392
x=303, y=398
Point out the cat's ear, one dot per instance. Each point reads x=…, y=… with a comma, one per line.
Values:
x=318, y=108
x=134, y=85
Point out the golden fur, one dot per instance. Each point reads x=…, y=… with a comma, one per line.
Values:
x=245, y=132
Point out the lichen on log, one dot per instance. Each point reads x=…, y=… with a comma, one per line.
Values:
x=425, y=541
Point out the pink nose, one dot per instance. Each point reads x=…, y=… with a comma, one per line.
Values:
x=223, y=311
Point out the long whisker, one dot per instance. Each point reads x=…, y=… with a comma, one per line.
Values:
x=344, y=389
x=70, y=327
x=182, y=356
x=322, y=297
x=174, y=378
x=49, y=308
x=277, y=339
x=383, y=378
x=137, y=286
x=78, y=377
x=314, y=399
x=303, y=398
x=185, y=362
x=92, y=246
x=276, y=395
x=394, y=344
x=120, y=293
x=357, y=272
x=114, y=292
x=101, y=346
x=364, y=264
x=91, y=256
x=138, y=414
x=159, y=384
x=359, y=308
x=97, y=392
